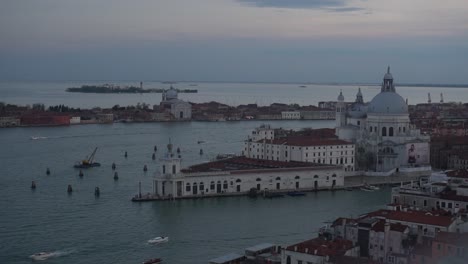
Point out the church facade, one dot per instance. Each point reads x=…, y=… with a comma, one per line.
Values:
x=180, y=110
x=386, y=141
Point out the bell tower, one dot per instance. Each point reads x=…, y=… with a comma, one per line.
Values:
x=340, y=112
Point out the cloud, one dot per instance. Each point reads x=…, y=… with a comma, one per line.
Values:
x=339, y=5
x=345, y=9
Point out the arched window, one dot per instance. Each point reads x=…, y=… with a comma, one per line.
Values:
x=316, y=176
x=288, y=260
x=164, y=169
x=212, y=185
x=258, y=179
x=384, y=131
x=334, y=175
x=370, y=129
x=297, y=177
x=187, y=187
x=202, y=186
x=390, y=132
x=238, y=180
x=225, y=185
x=173, y=169
x=278, y=178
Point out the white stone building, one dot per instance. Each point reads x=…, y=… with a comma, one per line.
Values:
x=385, y=139
x=291, y=115
x=179, y=109
x=236, y=176
x=262, y=144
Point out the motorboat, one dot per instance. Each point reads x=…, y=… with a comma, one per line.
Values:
x=42, y=255
x=158, y=240
x=37, y=137
x=153, y=261
x=366, y=189
x=369, y=188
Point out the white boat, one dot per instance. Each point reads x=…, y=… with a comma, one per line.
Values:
x=369, y=188
x=42, y=255
x=158, y=240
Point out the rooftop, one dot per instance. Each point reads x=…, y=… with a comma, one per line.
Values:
x=397, y=227
x=463, y=173
x=227, y=258
x=244, y=164
x=304, y=141
x=412, y=216
x=259, y=247
x=322, y=247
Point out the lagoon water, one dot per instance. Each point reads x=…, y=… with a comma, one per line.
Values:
x=53, y=93
x=81, y=228
x=111, y=229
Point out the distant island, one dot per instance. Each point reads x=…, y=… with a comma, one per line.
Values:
x=108, y=88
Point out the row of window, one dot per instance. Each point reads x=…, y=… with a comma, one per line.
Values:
x=384, y=131
x=200, y=186
x=307, y=148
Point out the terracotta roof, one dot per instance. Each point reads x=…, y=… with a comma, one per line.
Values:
x=246, y=164
x=304, y=141
x=322, y=247
x=463, y=173
x=380, y=227
x=452, y=195
x=353, y=260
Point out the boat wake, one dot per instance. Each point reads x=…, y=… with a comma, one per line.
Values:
x=54, y=254
x=38, y=138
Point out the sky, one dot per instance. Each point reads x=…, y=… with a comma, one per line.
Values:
x=343, y=41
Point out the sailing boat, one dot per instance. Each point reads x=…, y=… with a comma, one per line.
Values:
x=88, y=163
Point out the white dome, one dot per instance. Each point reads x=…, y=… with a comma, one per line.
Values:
x=388, y=103
x=171, y=94
x=341, y=97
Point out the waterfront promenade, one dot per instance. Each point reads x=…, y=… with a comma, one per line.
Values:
x=350, y=183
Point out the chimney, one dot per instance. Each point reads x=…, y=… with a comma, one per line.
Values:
x=387, y=228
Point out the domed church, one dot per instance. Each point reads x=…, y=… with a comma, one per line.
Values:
x=386, y=141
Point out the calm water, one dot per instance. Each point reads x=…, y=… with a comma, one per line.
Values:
x=112, y=229
x=53, y=93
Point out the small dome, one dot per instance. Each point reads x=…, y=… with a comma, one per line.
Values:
x=388, y=103
x=171, y=94
x=341, y=97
